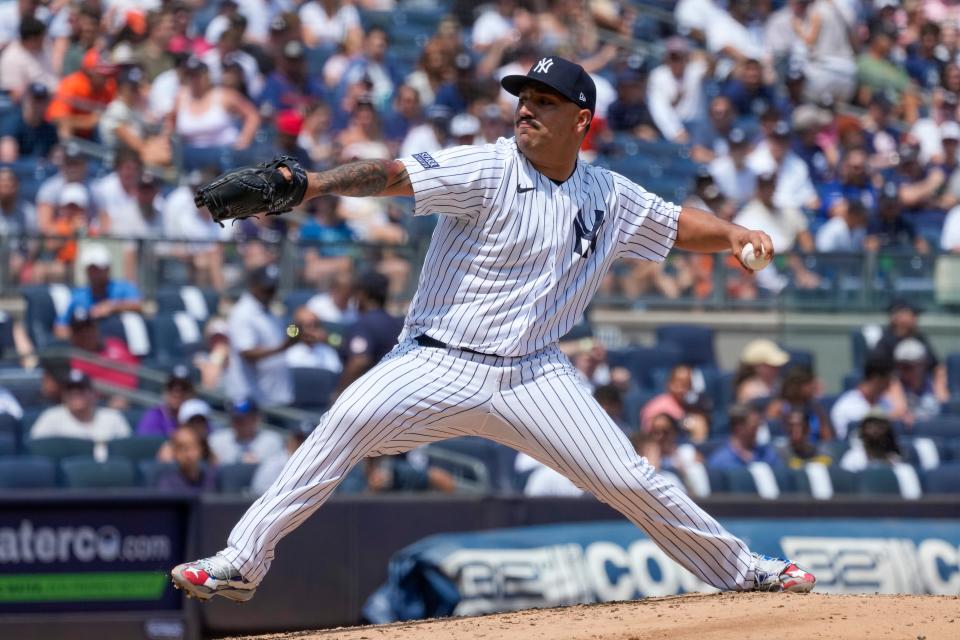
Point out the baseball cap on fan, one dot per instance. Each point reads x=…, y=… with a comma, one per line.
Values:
x=566, y=78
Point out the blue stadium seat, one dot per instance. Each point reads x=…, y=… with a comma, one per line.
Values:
x=10, y=430
x=27, y=472
x=87, y=473
x=149, y=471
x=135, y=448
x=642, y=361
x=199, y=303
x=953, y=373
x=8, y=444
x=296, y=299
x=312, y=387
x=800, y=358
x=132, y=328
x=496, y=457
x=740, y=481
x=943, y=479
x=236, y=478
x=940, y=427
x=879, y=480
x=354, y=482
x=695, y=343
x=7, y=346
x=44, y=305
x=176, y=337
x=843, y=481
x=59, y=448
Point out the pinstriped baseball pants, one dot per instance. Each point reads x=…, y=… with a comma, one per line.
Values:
x=537, y=404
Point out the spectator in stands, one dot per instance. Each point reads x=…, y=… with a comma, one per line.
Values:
x=25, y=133
x=710, y=137
x=269, y=470
x=374, y=333
x=163, y=419
x=433, y=70
x=629, y=112
x=904, y=324
x=327, y=243
x=798, y=393
x=60, y=246
x=328, y=22
x=610, y=398
x=589, y=356
x=73, y=169
x=737, y=181
x=119, y=211
x=673, y=401
x=809, y=123
x=182, y=220
x=674, y=91
x=890, y=231
x=162, y=96
x=749, y=95
x=924, y=64
x=26, y=61
x=362, y=138
x=337, y=304
x=786, y=225
x=193, y=470
x=881, y=132
x=663, y=446
x=228, y=52
x=396, y=473
x=405, y=114
x=245, y=441
x=824, y=29
x=542, y=481
x=79, y=417
x=257, y=367
x=853, y=182
x=927, y=131
x=69, y=51
x=729, y=35
x=853, y=405
x=759, y=374
x=950, y=235
x=290, y=86
x=204, y=114
x=846, y=230
x=921, y=189
x=742, y=448
x=82, y=95
x=876, y=71
x=124, y=122
x=799, y=448
x=103, y=296
x=375, y=66
x=876, y=445
x=85, y=336
x=794, y=189
x=312, y=350
x=431, y=135
x=153, y=54
x=917, y=390
x=289, y=124
x=194, y=413
x=17, y=215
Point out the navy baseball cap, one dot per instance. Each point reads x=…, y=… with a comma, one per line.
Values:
x=566, y=78
x=243, y=407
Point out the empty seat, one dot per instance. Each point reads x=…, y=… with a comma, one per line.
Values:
x=44, y=305
x=136, y=448
x=312, y=387
x=9, y=428
x=296, y=299
x=199, y=303
x=59, y=448
x=130, y=327
x=27, y=472
x=236, y=478
x=694, y=343
x=642, y=361
x=758, y=478
x=888, y=480
x=941, y=427
x=151, y=470
x=944, y=479
x=813, y=480
x=843, y=481
x=7, y=346
x=87, y=473
x=177, y=337
x=953, y=372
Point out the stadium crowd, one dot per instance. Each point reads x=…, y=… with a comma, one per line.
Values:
x=830, y=124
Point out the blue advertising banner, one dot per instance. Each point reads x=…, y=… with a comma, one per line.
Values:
x=513, y=569
x=72, y=556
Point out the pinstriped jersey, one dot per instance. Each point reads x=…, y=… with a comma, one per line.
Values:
x=515, y=257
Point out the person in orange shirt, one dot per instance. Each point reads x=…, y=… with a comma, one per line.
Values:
x=71, y=219
x=82, y=96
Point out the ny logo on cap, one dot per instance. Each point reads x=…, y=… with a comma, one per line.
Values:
x=544, y=65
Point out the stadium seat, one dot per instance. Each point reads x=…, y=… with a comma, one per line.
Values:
x=941, y=427
x=177, y=337
x=899, y=479
x=27, y=472
x=470, y=472
x=354, y=482
x=695, y=343
x=10, y=429
x=642, y=361
x=497, y=458
x=296, y=299
x=44, y=305
x=943, y=479
x=199, y=303
x=87, y=473
x=136, y=448
x=842, y=481
x=149, y=471
x=312, y=387
x=7, y=346
x=760, y=479
x=25, y=385
x=953, y=373
x=8, y=444
x=131, y=327
x=923, y=452
x=236, y=478
x=799, y=358
x=59, y=448
x=813, y=480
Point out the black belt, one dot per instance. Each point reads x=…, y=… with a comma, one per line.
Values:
x=426, y=341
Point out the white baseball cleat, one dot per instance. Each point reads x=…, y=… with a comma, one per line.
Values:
x=213, y=576
x=777, y=574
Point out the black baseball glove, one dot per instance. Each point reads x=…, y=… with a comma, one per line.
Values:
x=243, y=193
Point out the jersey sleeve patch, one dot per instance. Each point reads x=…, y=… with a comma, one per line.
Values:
x=426, y=160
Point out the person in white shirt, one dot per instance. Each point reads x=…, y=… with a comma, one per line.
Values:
x=312, y=351
x=269, y=470
x=79, y=416
x=116, y=197
x=328, y=22
x=674, y=91
x=950, y=234
x=257, y=367
x=846, y=230
x=335, y=305
x=245, y=442
x=794, y=186
x=496, y=23
x=431, y=135
x=854, y=405
x=25, y=61
x=542, y=480
x=736, y=181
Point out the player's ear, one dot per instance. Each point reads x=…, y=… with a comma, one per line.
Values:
x=584, y=118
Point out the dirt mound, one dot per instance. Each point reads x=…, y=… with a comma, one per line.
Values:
x=725, y=616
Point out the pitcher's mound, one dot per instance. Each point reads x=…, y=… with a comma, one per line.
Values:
x=725, y=616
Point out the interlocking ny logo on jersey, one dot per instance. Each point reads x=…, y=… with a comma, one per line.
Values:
x=586, y=239
x=544, y=65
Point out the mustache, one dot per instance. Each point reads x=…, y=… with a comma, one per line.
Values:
x=533, y=123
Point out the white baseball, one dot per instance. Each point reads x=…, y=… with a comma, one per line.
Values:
x=752, y=261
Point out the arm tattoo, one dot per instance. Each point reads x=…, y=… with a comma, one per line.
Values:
x=362, y=178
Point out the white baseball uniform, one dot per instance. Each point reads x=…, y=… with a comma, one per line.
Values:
x=513, y=263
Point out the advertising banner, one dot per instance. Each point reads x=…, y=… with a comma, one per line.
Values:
x=70, y=556
x=512, y=569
